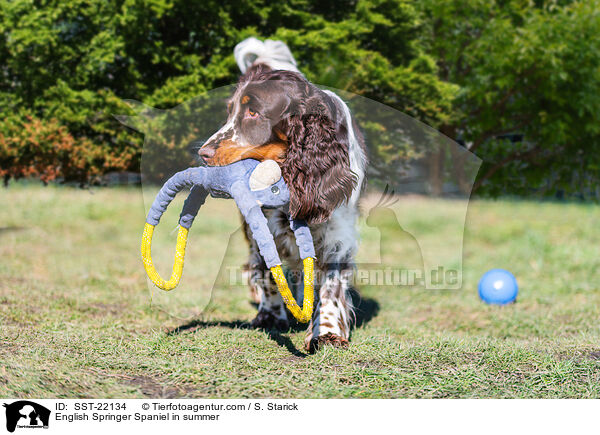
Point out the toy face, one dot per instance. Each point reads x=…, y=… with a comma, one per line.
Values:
x=264, y=175
x=268, y=186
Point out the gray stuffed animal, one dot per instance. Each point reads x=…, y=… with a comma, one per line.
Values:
x=252, y=185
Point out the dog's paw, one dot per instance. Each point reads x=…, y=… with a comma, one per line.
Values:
x=267, y=320
x=329, y=339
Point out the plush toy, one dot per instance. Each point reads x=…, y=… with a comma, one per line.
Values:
x=252, y=185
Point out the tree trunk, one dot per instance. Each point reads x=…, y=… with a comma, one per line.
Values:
x=458, y=169
x=435, y=161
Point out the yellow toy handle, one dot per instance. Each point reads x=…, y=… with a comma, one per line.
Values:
x=302, y=315
x=177, y=265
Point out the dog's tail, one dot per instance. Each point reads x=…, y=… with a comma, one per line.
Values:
x=274, y=54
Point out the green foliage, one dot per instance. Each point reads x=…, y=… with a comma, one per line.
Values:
x=473, y=69
x=528, y=70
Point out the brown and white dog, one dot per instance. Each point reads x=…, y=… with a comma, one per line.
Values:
x=275, y=113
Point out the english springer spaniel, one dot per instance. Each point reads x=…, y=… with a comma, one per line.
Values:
x=275, y=113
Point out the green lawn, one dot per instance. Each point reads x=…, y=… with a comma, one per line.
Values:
x=76, y=317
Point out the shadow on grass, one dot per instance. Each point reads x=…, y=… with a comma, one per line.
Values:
x=284, y=341
x=276, y=336
x=365, y=309
x=10, y=229
x=201, y=324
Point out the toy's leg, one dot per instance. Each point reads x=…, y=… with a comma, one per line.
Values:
x=271, y=311
x=333, y=315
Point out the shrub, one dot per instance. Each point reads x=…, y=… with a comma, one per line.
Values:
x=45, y=149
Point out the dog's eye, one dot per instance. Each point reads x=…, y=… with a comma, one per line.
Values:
x=252, y=113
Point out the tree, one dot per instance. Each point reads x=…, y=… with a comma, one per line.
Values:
x=527, y=70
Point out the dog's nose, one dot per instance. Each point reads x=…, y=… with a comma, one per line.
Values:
x=207, y=151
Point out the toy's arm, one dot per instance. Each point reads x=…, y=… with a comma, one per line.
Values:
x=191, y=205
x=196, y=178
x=303, y=237
x=190, y=177
x=255, y=218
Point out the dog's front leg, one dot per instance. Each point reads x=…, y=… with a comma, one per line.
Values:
x=332, y=319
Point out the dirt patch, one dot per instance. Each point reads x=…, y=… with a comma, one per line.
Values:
x=578, y=355
x=10, y=347
x=151, y=387
x=11, y=282
x=6, y=230
x=292, y=360
x=19, y=319
x=3, y=376
x=368, y=364
x=595, y=355
x=99, y=309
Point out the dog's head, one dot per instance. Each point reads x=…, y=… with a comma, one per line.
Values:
x=279, y=115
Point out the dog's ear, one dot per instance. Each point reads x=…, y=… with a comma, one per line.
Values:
x=317, y=165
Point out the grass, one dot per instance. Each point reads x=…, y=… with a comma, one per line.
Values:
x=77, y=318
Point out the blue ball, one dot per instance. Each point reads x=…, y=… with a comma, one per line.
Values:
x=498, y=286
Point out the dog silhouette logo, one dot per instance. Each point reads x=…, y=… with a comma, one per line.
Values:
x=392, y=234
x=26, y=414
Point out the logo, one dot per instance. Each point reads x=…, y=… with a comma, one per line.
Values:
x=26, y=414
